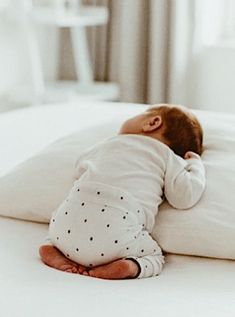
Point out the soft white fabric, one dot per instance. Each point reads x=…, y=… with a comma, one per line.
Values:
x=25, y=132
x=132, y=166
x=144, y=166
x=141, y=166
x=41, y=183
x=207, y=229
x=98, y=223
x=43, y=177
x=187, y=287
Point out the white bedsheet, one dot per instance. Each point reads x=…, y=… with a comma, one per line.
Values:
x=188, y=286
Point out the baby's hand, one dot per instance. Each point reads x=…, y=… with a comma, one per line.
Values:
x=189, y=155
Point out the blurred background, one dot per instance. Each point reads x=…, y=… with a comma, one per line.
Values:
x=139, y=51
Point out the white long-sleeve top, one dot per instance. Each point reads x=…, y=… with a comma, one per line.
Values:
x=149, y=170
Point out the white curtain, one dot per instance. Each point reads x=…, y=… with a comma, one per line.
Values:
x=156, y=50
x=145, y=47
x=179, y=51
x=161, y=50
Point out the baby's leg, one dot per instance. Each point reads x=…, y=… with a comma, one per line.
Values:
x=119, y=269
x=51, y=256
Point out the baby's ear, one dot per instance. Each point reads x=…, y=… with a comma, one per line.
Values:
x=153, y=123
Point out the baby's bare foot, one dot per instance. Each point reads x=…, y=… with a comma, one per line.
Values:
x=53, y=257
x=119, y=269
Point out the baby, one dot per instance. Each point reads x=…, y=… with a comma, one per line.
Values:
x=103, y=228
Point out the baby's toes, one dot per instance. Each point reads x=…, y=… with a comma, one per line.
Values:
x=72, y=270
x=81, y=269
x=69, y=268
x=92, y=273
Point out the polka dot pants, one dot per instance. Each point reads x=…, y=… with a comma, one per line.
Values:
x=98, y=223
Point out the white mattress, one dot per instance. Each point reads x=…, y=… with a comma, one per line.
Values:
x=188, y=286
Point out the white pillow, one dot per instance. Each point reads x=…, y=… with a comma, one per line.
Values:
x=207, y=229
x=36, y=187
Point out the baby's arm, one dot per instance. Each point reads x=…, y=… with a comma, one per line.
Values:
x=184, y=180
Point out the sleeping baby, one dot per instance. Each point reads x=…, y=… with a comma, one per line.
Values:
x=103, y=227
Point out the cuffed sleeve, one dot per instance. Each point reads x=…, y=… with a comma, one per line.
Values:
x=149, y=265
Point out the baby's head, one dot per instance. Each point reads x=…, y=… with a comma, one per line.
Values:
x=173, y=125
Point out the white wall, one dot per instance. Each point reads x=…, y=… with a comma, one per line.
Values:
x=15, y=68
x=212, y=79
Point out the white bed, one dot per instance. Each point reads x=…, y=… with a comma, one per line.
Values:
x=188, y=286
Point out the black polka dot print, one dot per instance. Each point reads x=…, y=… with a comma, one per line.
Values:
x=102, y=209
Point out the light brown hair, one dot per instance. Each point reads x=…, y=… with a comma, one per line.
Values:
x=182, y=130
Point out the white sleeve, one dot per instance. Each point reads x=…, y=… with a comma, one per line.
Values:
x=149, y=265
x=184, y=181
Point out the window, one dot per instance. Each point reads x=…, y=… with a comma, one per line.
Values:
x=215, y=22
